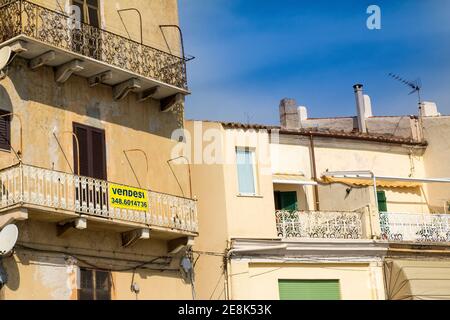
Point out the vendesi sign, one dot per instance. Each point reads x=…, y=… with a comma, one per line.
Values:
x=128, y=198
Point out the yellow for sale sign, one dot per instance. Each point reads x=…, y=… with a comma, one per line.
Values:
x=128, y=198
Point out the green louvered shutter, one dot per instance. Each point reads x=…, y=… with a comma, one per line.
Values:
x=288, y=201
x=309, y=289
x=382, y=201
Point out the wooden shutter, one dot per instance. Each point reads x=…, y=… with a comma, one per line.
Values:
x=309, y=289
x=5, y=131
x=382, y=201
x=98, y=154
x=92, y=151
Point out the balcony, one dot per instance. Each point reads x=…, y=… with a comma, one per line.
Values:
x=392, y=227
x=57, y=197
x=410, y=227
x=47, y=37
x=320, y=225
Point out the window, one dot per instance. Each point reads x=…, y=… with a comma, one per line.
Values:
x=309, y=289
x=89, y=11
x=382, y=201
x=245, y=159
x=286, y=201
x=92, y=151
x=86, y=41
x=5, y=131
x=94, y=285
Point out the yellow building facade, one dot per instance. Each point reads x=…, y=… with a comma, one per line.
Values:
x=338, y=240
x=102, y=210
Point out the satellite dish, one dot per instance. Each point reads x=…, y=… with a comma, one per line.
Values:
x=5, y=55
x=8, y=239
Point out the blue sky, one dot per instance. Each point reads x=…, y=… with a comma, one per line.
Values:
x=252, y=53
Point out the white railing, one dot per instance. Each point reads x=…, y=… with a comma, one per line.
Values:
x=415, y=227
x=325, y=225
x=24, y=184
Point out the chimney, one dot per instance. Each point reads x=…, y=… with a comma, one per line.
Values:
x=289, y=116
x=368, y=107
x=360, y=107
x=428, y=109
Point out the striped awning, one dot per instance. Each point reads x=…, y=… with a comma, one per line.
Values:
x=286, y=178
x=369, y=182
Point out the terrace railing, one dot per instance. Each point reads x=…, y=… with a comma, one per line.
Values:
x=415, y=227
x=29, y=185
x=322, y=225
x=21, y=17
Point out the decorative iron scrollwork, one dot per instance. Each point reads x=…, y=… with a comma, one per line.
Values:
x=55, y=28
x=320, y=225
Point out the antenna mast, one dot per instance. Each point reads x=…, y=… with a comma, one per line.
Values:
x=415, y=85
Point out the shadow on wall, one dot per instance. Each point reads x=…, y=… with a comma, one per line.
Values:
x=12, y=270
x=74, y=96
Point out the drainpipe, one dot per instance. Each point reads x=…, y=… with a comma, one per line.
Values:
x=314, y=172
x=243, y=250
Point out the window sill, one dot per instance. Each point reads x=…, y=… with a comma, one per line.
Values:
x=257, y=196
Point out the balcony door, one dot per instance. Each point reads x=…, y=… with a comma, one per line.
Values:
x=286, y=201
x=86, y=40
x=91, y=195
x=92, y=151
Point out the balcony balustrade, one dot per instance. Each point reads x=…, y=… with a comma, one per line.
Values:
x=319, y=225
x=112, y=58
x=53, y=191
x=415, y=227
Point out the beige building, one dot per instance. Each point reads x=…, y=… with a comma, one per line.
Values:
x=291, y=211
x=89, y=104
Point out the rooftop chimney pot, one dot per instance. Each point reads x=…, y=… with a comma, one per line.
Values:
x=360, y=108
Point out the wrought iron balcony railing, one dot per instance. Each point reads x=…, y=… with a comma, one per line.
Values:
x=25, y=185
x=21, y=17
x=319, y=225
x=415, y=227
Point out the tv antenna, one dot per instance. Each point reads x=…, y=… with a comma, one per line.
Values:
x=415, y=85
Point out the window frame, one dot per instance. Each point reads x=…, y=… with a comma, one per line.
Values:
x=89, y=133
x=93, y=281
x=252, y=151
x=85, y=11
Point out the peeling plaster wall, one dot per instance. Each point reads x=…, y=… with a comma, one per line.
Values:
x=46, y=107
x=55, y=276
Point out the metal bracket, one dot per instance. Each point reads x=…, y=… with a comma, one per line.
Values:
x=100, y=78
x=64, y=72
x=121, y=90
x=42, y=60
x=131, y=237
